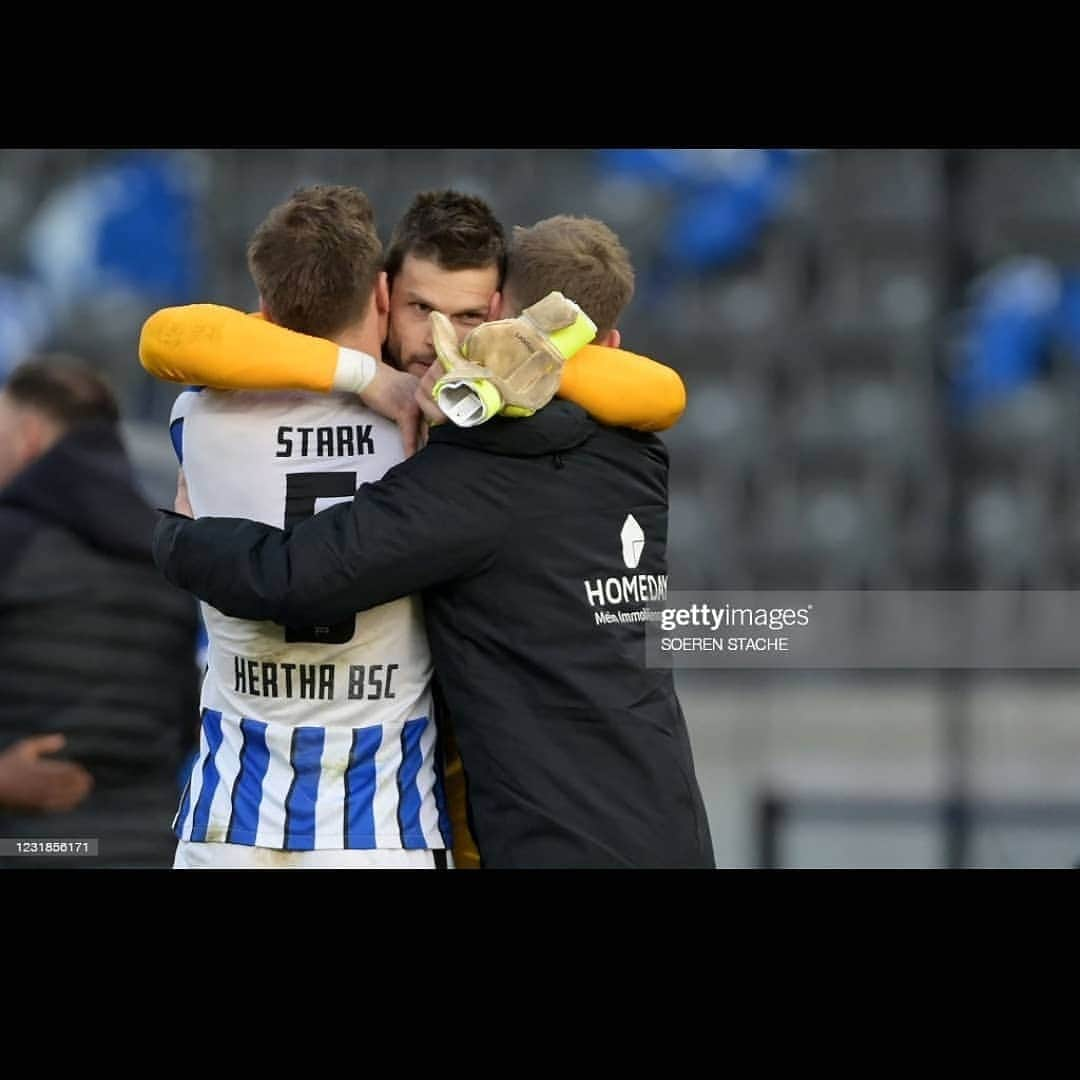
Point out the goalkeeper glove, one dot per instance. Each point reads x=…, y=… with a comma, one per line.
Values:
x=511, y=366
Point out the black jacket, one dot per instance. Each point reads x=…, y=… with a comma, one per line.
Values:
x=95, y=645
x=576, y=754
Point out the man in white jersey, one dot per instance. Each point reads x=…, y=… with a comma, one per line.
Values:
x=318, y=743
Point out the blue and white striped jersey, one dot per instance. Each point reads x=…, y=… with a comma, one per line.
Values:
x=313, y=737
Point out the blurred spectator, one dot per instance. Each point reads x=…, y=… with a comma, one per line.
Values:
x=1016, y=310
x=723, y=199
x=95, y=648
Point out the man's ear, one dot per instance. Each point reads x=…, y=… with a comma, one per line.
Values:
x=493, y=306
x=382, y=304
x=612, y=339
x=36, y=435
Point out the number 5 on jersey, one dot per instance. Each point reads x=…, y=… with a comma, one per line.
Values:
x=301, y=491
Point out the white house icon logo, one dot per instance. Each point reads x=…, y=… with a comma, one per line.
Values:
x=633, y=542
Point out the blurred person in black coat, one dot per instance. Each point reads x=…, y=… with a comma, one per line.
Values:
x=98, y=685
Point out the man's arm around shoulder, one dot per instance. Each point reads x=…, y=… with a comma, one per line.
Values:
x=438, y=516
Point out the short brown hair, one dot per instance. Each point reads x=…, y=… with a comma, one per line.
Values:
x=66, y=389
x=315, y=259
x=456, y=231
x=578, y=256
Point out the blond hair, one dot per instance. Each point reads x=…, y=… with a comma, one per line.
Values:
x=580, y=257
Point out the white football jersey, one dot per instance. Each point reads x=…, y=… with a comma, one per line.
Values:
x=313, y=737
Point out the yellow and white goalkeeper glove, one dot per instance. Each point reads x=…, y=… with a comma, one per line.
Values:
x=511, y=366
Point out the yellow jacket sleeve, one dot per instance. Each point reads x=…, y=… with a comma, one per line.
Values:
x=211, y=345
x=623, y=389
